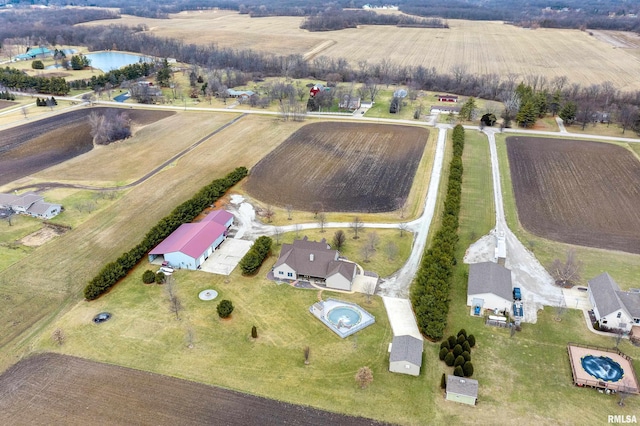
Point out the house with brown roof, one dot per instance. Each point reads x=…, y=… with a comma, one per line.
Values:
x=314, y=261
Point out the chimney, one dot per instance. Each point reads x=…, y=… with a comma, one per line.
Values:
x=311, y=257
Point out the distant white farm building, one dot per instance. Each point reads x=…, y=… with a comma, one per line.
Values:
x=444, y=109
x=192, y=243
x=405, y=355
x=489, y=287
x=30, y=204
x=314, y=261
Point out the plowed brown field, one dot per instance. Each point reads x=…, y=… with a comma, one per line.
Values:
x=347, y=167
x=577, y=192
x=35, y=146
x=59, y=389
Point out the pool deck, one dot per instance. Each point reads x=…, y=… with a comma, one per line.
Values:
x=629, y=382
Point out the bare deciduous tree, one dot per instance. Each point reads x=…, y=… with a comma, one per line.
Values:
x=191, y=338
x=277, y=232
x=58, y=336
x=372, y=241
x=403, y=227
x=269, y=213
x=401, y=205
x=366, y=251
x=174, y=301
x=316, y=207
x=322, y=220
x=289, y=208
x=356, y=225
x=364, y=377
x=391, y=250
x=339, y=239
x=369, y=288
x=567, y=273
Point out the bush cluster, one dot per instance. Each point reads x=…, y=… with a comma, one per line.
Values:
x=225, y=308
x=430, y=290
x=455, y=351
x=252, y=261
x=46, y=102
x=112, y=272
x=7, y=96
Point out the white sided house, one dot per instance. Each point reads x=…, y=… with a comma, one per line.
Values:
x=489, y=286
x=30, y=204
x=613, y=308
x=192, y=243
x=314, y=261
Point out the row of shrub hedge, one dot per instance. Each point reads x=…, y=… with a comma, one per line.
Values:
x=430, y=290
x=252, y=261
x=112, y=272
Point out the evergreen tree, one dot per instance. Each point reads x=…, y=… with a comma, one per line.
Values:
x=526, y=117
x=468, y=110
x=568, y=112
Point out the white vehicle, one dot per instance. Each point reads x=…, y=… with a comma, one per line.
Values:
x=166, y=269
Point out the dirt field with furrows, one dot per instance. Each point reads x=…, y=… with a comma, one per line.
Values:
x=6, y=104
x=577, y=192
x=347, y=167
x=481, y=47
x=35, y=146
x=58, y=389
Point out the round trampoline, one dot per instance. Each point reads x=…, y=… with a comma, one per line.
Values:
x=208, y=294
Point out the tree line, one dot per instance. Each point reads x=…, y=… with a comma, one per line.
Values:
x=114, y=271
x=337, y=19
x=430, y=289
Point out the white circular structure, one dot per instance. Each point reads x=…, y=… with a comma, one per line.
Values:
x=208, y=294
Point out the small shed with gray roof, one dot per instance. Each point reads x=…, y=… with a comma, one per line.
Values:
x=489, y=286
x=405, y=355
x=612, y=307
x=462, y=389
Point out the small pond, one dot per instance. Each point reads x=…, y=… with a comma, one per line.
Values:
x=107, y=61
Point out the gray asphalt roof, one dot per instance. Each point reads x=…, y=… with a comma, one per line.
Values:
x=609, y=298
x=406, y=348
x=489, y=277
x=462, y=386
x=604, y=289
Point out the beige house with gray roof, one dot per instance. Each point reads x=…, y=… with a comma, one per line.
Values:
x=462, y=389
x=405, y=355
x=314, y=261
x=612, y=307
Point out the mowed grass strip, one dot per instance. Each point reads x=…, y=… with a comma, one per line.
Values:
x=344, y=167
x=35, y=287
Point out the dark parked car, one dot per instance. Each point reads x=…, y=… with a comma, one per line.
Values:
x=516, y=293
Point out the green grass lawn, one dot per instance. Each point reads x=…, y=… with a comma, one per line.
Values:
x=145, y=334
x=12, y=230
x=623, y=267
